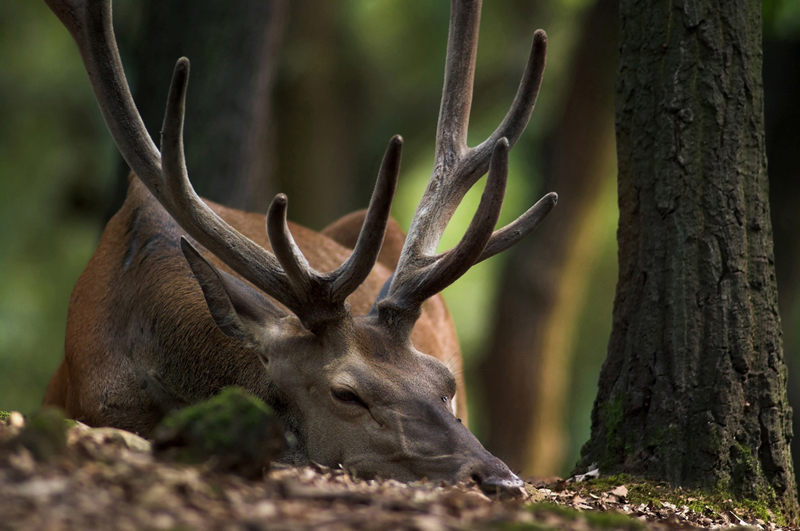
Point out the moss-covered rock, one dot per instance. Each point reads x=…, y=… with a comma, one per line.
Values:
x=232, y=432
x=44, y=435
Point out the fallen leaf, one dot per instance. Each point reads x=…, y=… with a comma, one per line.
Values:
x=593, y=473
x=621, y=491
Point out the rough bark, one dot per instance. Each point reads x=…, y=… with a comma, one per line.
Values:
x=693, y=390
x=529, y=353
x=232, y=47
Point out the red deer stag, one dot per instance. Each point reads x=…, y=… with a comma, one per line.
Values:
x=317, y=325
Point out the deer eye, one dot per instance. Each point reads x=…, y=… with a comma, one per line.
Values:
x=346, y=396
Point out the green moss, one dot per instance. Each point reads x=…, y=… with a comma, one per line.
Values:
x=567, y=513
x=4, y=415
x=644, y=492
x=548, y=516
x=44, y=434
x=552, y=516
x=612, y=520
x=747, y=471
x=613, y=416
x=526, y=526
x=235, y=428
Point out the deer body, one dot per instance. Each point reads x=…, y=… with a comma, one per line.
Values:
x=137, y=346
x=343, y=332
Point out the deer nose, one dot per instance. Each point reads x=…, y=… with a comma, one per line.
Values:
x=494, y=477
x=497, y=485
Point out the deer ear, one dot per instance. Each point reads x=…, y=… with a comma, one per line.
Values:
x=239, y=310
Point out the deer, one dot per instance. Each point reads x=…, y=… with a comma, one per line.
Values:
x=342, y=332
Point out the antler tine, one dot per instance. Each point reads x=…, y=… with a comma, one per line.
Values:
x=512, y=233
x=358, y=266
x=516, y=120
x=243, y=255
x=322, y=295
x=469, y=164
x=288, y=253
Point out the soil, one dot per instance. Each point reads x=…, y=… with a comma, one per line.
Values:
x=109, y=479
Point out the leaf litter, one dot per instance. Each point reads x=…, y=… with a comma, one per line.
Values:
x=109, y=479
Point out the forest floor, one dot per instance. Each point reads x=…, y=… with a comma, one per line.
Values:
x=109, y=479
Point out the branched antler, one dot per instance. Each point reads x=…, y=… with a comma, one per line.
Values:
x=421, y=272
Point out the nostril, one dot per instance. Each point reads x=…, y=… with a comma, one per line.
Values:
x=477, y=478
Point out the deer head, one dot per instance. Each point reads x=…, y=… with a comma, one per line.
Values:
x=352, y=387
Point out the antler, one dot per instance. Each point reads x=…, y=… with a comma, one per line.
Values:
x=316, y=298
x=421, y=272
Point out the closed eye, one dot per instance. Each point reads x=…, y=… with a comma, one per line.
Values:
x=346, y=396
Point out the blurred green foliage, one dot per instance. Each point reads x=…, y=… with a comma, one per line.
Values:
x=55, y=159
x=781, y=18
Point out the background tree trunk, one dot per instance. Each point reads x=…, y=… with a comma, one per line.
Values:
x=782, y=116
x=694, y=387
x=319, y=116
x=528, y=357
x=233, y=48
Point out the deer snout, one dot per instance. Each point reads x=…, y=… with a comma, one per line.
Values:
x=492, y=476
x=497, y=485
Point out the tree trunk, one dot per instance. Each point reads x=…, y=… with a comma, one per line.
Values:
x=693, y=390
x=233, y=47
x=529, y=354
x=319, y=115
